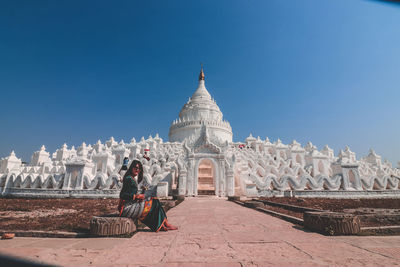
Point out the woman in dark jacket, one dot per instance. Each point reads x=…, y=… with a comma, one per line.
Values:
x=134, y=205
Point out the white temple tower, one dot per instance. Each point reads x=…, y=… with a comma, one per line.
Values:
x=200, y=110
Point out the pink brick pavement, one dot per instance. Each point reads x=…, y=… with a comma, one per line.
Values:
x=213, y=232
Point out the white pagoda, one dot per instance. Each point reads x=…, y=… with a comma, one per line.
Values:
x=200, y=110
x=201, y=158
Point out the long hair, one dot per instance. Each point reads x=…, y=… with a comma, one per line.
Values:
x=129, y=171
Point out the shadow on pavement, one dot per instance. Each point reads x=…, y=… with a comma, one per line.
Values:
x=17, y=262
x=301, y=228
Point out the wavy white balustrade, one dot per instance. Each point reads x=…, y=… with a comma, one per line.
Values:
x=269, y=168
x=269, y=173
x=291, y=183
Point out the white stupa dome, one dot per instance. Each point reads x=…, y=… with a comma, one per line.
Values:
x=200, y=110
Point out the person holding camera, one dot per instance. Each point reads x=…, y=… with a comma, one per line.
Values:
x=133, y=203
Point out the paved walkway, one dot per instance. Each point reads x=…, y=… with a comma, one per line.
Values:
x=213, y=232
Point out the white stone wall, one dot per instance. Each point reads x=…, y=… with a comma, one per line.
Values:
x=256, y=164
x=191, y=129
x=321, y=170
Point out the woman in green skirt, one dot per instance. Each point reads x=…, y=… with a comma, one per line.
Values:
x=133, y=204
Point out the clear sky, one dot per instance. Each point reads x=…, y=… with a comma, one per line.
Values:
x=325, y=71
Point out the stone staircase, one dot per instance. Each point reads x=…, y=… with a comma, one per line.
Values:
x=206, y=180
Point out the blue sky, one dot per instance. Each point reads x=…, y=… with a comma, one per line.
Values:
x=310, y=70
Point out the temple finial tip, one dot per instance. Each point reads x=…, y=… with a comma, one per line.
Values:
x=201, y=76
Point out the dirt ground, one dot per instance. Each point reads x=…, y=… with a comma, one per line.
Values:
x=72, y=215
x=338, y=205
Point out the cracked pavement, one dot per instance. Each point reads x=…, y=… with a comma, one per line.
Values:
x=212, y=232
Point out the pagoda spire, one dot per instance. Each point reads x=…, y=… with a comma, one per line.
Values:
x=201, y=75
x=201, y=91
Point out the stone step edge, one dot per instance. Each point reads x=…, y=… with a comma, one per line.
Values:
x=282, y=216
x=53, y=234
x=380, y=230
x=285, y=217
x=287, y=206
x=382, y=227
x=239, y=202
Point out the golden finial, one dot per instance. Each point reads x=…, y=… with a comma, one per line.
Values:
x=201, y=76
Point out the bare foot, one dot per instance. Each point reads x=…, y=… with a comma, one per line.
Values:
x=170, y=226
x=163, y=228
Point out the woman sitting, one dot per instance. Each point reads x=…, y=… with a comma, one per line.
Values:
x=134, y=205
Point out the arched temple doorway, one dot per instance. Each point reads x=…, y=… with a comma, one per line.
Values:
x=206, y=178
